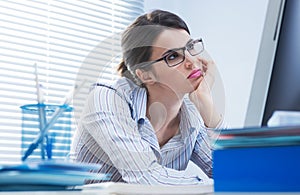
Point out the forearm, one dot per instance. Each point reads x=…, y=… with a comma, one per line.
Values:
x=205, y=106
x=135, y=160
x=157, y=174
x=203, y=97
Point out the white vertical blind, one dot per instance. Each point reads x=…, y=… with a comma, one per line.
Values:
x=61, y=37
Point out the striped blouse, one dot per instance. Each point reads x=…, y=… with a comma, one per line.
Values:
x=114, y=131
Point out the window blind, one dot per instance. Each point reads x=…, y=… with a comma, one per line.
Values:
x=70, y=42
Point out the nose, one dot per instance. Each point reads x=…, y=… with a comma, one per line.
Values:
x=189, y=60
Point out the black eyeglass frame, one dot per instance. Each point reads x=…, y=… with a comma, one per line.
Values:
x=177, y=49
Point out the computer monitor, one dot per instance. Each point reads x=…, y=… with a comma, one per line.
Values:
x=276, y=83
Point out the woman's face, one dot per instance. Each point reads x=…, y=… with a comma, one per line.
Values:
x=177, y=78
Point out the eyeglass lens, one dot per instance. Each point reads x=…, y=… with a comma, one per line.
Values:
x=177, y=56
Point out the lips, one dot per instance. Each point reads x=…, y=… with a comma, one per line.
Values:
x=195, y=74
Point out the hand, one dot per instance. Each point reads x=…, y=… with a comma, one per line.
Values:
x=202, y=96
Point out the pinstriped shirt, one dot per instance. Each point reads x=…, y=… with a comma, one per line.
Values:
x=114, y=131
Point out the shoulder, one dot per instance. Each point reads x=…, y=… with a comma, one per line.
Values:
x=121, y=87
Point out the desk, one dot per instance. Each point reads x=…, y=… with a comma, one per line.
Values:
x=101, y=192
x=124, y=188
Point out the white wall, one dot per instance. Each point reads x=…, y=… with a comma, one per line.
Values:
x=232, y=31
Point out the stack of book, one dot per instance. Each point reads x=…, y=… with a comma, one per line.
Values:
x=263, y=159
x=46, y=175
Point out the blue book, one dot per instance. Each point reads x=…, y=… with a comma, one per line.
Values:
x=47, y=175
x=257, y=162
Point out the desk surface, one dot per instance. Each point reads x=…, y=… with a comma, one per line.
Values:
x=103, y=192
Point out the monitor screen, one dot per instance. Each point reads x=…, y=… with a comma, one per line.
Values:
x=276, y=82
x=284, y=87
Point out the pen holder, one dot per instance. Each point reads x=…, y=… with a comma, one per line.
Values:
x=56, y=141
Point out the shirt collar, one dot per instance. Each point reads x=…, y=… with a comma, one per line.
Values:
x=190, y=118
x=139, y=103
x=190, y=123
x=189, y=127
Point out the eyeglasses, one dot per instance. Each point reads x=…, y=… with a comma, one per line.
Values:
x=176, y=56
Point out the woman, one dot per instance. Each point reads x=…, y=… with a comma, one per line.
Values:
x=145, y=127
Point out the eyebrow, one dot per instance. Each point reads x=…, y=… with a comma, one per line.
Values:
x=175, y=49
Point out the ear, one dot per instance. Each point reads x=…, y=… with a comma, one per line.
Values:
x=145, y=76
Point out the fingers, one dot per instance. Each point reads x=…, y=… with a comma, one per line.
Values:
x=206, y=65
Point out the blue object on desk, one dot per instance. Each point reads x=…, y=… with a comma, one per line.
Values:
x=266, y=160
x=47, y=175
x=32, y=136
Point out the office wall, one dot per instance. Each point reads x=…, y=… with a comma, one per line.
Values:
x=232, y=31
